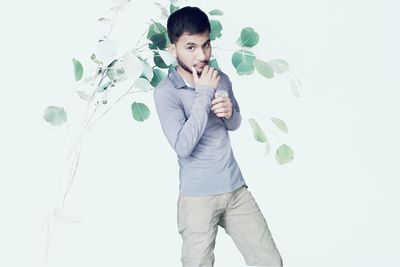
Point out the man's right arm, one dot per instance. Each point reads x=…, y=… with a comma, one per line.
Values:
x=183, y=135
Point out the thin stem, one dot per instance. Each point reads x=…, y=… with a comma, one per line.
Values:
x=112, y=22
x=67, y=123
x=71, y=177
x=91, y=116
x=234, y=50
x=96, y=74
x=140, y=49
x=74, y=163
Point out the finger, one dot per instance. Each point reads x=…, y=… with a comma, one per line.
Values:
x=205, y=70
x=210, y=72
x=224, y=99
x=221, y=114
x=194, y=72
x=220, y=110
x=215, y=74
x=219, y=106
x=217, y=100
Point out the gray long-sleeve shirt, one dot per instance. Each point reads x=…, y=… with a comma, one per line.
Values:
x=207, y=165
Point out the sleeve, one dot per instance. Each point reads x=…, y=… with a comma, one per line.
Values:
x=183, y=134
x=233, y=123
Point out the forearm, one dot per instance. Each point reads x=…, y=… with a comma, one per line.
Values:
x=191, y=132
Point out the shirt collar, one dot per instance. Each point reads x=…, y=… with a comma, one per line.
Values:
x=177, y=79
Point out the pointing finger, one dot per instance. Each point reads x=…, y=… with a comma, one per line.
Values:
x=194, y=72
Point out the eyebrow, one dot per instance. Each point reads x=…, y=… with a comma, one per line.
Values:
x=195, y=44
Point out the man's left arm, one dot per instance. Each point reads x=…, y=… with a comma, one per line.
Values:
x=233, y=123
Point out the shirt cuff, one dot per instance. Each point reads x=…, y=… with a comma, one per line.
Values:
x=232, y=118
x=204, y=90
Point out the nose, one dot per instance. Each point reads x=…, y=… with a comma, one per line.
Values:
x=201, y=56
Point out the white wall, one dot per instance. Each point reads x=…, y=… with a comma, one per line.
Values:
x=334, y=205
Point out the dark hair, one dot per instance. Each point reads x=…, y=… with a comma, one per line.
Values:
x=187, y=19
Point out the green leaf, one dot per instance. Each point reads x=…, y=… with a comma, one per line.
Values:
x=213, y=63
x=243, y=61
x=132, y=65
x=166, y=57
x=115, y=76
x=83, y=95
x=248, y=37
x=140, y=111
x=112, y=64
x=159, y=41
x=157, y=77
x=142, y=84
x=263, y=68
x=56, y=116
x=159, y=62
x=171, y=68
x=173, y=8
x=280, y=124
x=103, y=86
x=167, y=39
x=147, y=71
x=111, y=74
x=78, y=69
x=279, y=65
x=216, y=29
x=258, y=133
x=156, y=28
x=267, y=148
x=105, y=20
x=238, y=41
x=121, y=75
x=295, y=85
x=216, y=12
x=106, y=50
x=284, y=154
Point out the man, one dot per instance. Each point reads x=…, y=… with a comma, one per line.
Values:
x=196, y=123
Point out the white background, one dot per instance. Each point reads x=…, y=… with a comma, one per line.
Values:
x=336, y=204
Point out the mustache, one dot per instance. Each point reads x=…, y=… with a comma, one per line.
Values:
x=204, y=62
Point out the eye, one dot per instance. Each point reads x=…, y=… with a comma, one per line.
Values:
x=190, y=47
x=207, y=45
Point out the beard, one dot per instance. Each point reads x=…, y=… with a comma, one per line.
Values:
x=187, y=68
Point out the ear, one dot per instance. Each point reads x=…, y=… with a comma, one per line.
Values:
x=172, y=50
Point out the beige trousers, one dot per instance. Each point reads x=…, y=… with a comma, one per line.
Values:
x=238, y=213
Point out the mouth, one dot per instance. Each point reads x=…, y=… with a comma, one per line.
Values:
x=201, y=65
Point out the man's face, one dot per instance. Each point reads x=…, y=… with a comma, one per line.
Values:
x=192, y=50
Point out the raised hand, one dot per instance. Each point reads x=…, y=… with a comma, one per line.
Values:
x=209, y=77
